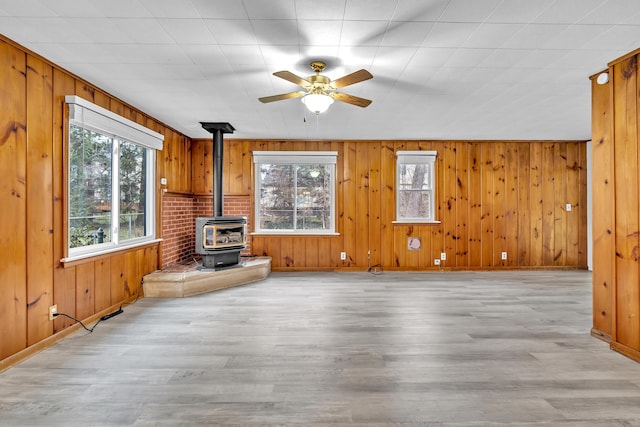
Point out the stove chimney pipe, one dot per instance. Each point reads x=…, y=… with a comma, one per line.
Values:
x=218, y=129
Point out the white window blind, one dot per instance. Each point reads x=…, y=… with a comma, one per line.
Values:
x=89, y=115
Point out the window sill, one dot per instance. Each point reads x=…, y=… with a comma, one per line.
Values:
x=70, y=260
x=414, y=221
x=294, y=233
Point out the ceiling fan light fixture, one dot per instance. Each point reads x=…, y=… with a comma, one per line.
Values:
x=317, y=103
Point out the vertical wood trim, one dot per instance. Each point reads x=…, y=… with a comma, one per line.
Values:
x=39, y=214
x=13, y=142
x=627, y=203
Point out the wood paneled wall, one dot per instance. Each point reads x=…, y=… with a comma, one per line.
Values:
x=616, y=201
x=492, y=197
x=32, y=199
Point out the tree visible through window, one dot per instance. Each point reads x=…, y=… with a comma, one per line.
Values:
x=415, y=186
x=294, y=191
x=110, y=180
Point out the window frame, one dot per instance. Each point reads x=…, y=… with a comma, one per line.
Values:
x=424, y=157
x=91, y=117
x=295, y=158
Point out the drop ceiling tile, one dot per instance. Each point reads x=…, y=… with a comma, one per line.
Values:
x=365, y=10
x=575, y=37
x=329, y=10
x=220, y=9
x=357, y=56
x=619, y=37
x=279, y=56
x=31, y=8
x=468, y=58
x=491, y=35
x=75, y=8
x=276, y=32
x=431, y=57
x=448, y=34
x=243, y=54
x=406, y=33
x=532, y=36
x=504, y=58
x=54, y=30
x=144, y=31
x=325, y=33
x=469, y=10
x=419, y=10
x=231, y=31
x=518, y=11
x=121, y=8
x=362, y=33
x=188, y=31
x=272, y=9
x=171, y=8
x=567, y=11
x=614, y=12
x=99, y=30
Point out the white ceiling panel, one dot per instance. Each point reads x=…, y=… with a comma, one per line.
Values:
x=272, y=9
x=449, y=34
x=324, y=33
x=448, y=69
x=369, y=10
x=567, y=11
x=327, y=10
x=276, y=32
x=188, y=31
x=518, y=11
x=220, y=9
x=469, y=10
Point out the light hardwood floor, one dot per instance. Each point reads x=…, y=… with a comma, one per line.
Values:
x=409, y=349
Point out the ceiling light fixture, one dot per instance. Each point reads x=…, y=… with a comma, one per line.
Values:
x=317, y=103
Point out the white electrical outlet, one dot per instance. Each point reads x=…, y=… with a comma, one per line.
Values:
x=504, y=256
x=53, y=310
x=443, y=256
x=436, y=261
x=569, y=207
x=343, y=256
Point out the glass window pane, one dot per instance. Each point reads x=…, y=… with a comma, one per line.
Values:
x=415, y=176
x=276, y=197
x=133, y=166
x=414, y=204
x=89, y=187
x=313, y=197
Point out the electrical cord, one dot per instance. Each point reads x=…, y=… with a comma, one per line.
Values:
x=102, y=319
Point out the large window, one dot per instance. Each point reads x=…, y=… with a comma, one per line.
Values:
x=415, y=186
x=295, y=191
x=111, y=178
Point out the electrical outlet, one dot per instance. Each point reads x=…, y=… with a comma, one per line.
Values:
x=343, y=256
x=569, y=207
x=443, y=256
x=436, y=261
x=504, y=256
x=53, y=310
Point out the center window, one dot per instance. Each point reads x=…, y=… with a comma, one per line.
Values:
x=295, y=191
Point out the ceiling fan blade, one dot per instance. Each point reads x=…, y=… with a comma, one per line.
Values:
x=350, y=99
x=289, y=76
x=280, y=97
x=349, y=79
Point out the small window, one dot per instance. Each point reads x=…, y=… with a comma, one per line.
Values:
x=415, y=186
x=111, y=180
x=295, y=192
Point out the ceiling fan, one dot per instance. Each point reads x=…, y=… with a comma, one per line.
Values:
x=319, y=91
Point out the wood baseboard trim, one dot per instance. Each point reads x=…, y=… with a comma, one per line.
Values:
x=22, y=355
x=631, y=353
x=600, y=335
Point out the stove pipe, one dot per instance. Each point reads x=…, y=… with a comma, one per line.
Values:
x=218, y=129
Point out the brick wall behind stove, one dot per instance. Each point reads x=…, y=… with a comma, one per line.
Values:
x=178, y=229
x=179, y=215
